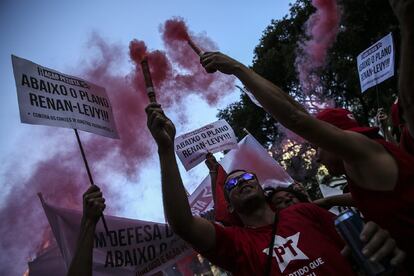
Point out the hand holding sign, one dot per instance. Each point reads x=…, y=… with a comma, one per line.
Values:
x=161, y=127
x=93, y=204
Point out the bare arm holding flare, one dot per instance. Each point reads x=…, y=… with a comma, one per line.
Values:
x=404, y=10
x=360, y=154
x=93, y=206
x=199, y=232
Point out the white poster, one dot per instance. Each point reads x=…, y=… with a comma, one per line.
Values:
x=192, y=147
x=376, y=63
x=48, y=97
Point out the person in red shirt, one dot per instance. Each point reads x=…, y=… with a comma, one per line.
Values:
x=404, y=11
x=297, y=240
x=400, y=128
x=372, y=165
x=217, y=177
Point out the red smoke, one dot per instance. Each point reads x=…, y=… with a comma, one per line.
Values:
x=62, y=177
x=137, y=50
x=177, y=30
x=321, y=28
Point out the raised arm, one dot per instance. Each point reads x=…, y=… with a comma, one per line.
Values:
x=336, y=200
x=404, y=10
x=199, y=232
x=283, y=108
x=212, y=166
x=359, y=152
x=93, y=206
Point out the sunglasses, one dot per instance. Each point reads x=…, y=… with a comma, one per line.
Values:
x=235, y=181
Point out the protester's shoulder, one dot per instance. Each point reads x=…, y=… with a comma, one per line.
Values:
x=402, y=157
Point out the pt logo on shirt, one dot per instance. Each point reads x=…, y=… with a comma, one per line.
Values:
x=286, y=250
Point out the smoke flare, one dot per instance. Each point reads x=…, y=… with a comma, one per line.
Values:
x=321, y=28
x=60, y=175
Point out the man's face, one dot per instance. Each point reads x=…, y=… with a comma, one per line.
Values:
x=245, y=191
x=283, y=199
x=334, y=164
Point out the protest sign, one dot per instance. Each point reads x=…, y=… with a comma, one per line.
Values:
x=49, y=262
x=376, y=63
x=48, y=97
x=249, y=156
x=132, y=247
x=192, y=147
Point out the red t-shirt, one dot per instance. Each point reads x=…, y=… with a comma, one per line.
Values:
x=392, y=210
x=407, y=141
x=306, y=242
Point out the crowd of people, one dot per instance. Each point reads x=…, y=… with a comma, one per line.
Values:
x=279, y=231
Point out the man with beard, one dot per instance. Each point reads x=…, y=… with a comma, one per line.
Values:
x=299, y=239
x=380, y=174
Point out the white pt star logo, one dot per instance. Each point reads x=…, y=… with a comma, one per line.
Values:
x=286, y=250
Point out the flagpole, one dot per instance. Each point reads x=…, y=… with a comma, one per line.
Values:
x=85, y=161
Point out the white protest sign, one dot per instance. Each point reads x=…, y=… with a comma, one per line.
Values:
x=133, y=247
x=192, y=147
x=48, y=97
x=376, y=63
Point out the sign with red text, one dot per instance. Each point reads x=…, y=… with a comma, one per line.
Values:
x=48, y=97
x=376, y=64
x=192, y=147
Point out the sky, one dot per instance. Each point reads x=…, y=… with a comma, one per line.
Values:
x=56, y=34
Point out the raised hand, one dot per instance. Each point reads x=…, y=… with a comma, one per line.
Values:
x=216, y=61
x=160, y=126
x=93, y=204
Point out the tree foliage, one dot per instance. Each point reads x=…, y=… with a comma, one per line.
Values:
x=363, y=22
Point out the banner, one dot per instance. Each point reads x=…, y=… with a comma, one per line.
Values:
x=249, y=156
x=192, y=147
x=48, y=97
x=49, y=262
x=376, y=63
x=133, y=247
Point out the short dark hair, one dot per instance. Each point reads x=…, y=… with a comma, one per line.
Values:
x=270, y=192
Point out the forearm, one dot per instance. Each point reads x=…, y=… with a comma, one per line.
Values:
x=271, y=97
x=81, y=264
x=281, y=107
x=341, y=200
x=213, y=179
x=406, y=76
x=176, y=206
